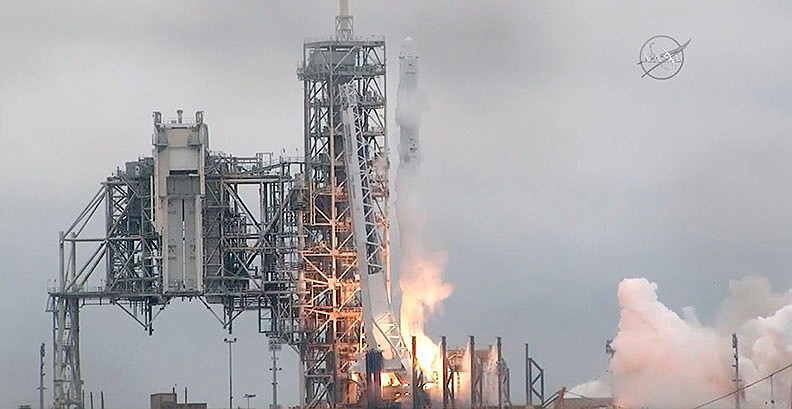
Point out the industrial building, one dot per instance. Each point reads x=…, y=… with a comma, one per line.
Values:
x=170, y=400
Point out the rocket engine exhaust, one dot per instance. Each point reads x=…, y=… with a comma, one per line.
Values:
x=420, y=266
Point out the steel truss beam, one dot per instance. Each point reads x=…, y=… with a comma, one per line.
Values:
x=277, y=238
x=331, y=308
x=250, y=236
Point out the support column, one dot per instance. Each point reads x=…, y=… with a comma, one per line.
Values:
x=500, y=373
x=736, y=366
x=415, y=374
x=41, y=377
x=534, y=381
x=447, y=396
x=67, y=379
x=476, y=386
x=528, y=394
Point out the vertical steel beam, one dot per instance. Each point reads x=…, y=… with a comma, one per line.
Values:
x=41, y=377
x=534, y=378
x=476, y=385
x=528, y=394
x=500, y=372
x=331, y=315
x=67, y=377
x=447, y=394
x=416, y=375
x=736, y=365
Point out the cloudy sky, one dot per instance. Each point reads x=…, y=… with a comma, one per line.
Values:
x=552, y=169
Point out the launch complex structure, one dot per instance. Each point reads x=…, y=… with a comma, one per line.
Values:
x=301, y=242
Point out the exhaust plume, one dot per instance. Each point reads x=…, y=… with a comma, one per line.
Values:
x=666, y=360
x=420, y=266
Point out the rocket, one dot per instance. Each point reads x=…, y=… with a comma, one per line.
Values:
x=409, y=106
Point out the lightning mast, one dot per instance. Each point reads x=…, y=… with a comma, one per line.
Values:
x=41, y=377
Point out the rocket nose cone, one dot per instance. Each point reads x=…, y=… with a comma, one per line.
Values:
x=407, y=48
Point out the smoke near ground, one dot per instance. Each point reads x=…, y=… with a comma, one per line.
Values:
x=664, y=359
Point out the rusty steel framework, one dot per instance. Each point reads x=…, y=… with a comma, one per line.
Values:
x=113, y=254
x=332, y=307
x=270, y=235
x=288, y=253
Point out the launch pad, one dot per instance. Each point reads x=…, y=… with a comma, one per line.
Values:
x=302, y=242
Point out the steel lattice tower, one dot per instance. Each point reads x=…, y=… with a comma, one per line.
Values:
x=331, y=313
x=234, y=244
x=272, y=235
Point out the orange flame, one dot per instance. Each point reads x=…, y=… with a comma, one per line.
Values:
x=423, y=290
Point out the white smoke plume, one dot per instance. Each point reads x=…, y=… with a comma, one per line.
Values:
x=664, y=360
x=421, y=264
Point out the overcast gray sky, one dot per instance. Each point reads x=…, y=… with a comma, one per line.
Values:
x=553, y=169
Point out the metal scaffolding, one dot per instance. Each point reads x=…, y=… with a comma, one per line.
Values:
x=249, y=243
x=270, y=235
x=252, y=233
x=331, y=303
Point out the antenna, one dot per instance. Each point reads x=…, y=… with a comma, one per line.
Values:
x=41, y=377
x=343, y=21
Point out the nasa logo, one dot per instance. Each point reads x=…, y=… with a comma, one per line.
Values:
x=662, y=57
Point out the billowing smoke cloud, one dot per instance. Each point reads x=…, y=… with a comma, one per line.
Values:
x=666, y=360
x=421, y=265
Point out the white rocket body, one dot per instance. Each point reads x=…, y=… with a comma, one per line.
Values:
x=420, y=264
x=409, y=212
x=409, y=106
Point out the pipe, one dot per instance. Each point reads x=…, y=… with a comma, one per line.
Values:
x=500, y=373
x=414, y=373
x=528, y=397
x=444, y=355
x=472, y=344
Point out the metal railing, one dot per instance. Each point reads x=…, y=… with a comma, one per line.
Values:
x=368, y=37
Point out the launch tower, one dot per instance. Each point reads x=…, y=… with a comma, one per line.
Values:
x=304, y=242
x=333, y=316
